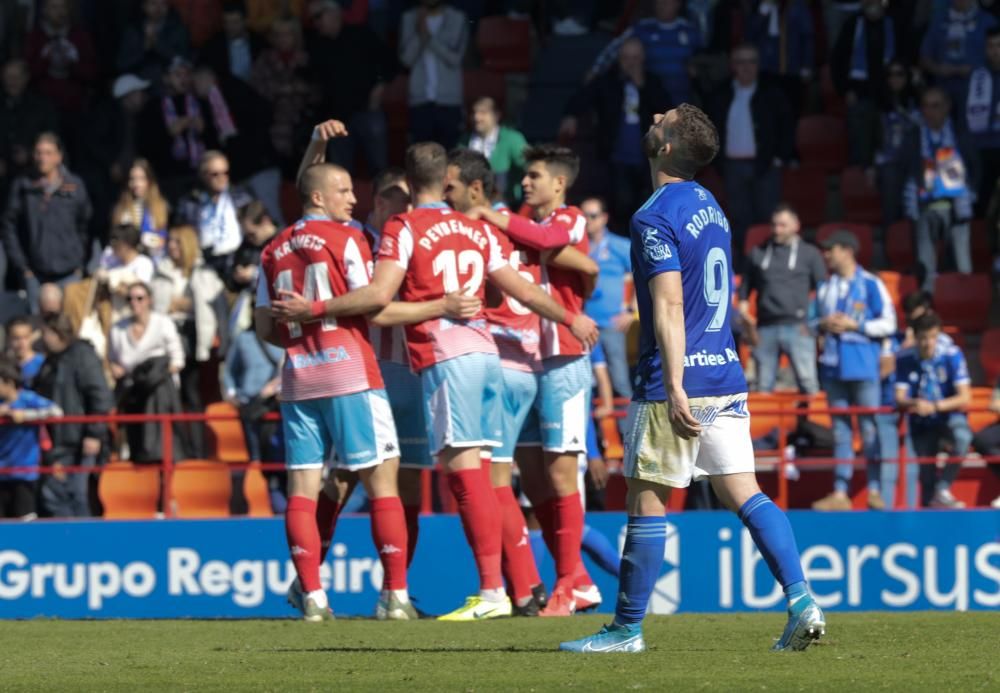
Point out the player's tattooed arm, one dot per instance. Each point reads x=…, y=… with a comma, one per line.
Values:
x=316, y=151
x=569, y=258
x=534, y=298
x=668, y=324
x=455, y=306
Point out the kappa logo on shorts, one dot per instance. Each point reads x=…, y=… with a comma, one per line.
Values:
x=666, y=597
x=389, y=447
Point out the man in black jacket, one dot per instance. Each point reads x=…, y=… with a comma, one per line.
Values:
x=624, y=101
x=71, y=377
x=45, y=225
x=756, y=139
x=232, y=51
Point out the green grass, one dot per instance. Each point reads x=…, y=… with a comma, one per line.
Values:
x=921, y=651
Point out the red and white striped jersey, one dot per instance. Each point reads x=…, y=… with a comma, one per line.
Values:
x=442, y=252
x=565, y=286
x=389, y=343
x=321, y=259
x=516, y=329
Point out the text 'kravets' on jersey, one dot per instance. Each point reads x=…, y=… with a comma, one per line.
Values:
x=442, y=252
x=320, y=259
x=681, y=228
x=515, y=328
x=565, y=286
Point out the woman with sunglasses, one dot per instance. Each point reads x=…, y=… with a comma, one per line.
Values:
x=143, y=335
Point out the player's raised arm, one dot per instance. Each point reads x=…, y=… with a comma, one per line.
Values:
x=316, y=151
x=667, y=293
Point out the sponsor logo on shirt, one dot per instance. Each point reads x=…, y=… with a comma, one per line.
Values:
x=322, y=358
x=652, y=247
x=704, y=358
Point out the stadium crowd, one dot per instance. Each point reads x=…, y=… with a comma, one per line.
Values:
x=150, y=151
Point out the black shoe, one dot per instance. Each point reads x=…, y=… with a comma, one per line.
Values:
x=530, y=609
x=541, y=595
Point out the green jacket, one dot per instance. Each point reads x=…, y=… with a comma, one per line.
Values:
x=507, y=161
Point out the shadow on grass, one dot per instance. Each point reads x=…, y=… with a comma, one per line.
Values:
x=397, y=650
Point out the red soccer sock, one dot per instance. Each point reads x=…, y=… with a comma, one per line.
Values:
x=303, y=541
x=389, y=535
x=545, y=514
x=327, y=512
x=568, y=521
x=482, y=526
x=412, y=513
x=581, y=578
x=518, y=561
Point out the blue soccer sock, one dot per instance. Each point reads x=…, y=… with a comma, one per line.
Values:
x=772, y=533
x=600, y=550
x=640, y=566
x=538, y=547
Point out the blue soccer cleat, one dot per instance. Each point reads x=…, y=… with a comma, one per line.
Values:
x=806, y=624
x=613, y=638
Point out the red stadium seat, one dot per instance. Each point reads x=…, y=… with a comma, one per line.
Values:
x=758, y=234
x=833, y=104
x=805, y=190
x=899, y=287
x=979, y=241
x=256, y=492
x=981, y=398
x=128, y=492
x=225, y=438
x=863, y=232
x=202, y=488
x=479, y=83
x=862, y=201
x=504, y=44
x=956, y=334
x=989, y=354
x=899, y=249
x=822, y=142
x=395, y=104
x=964, y=300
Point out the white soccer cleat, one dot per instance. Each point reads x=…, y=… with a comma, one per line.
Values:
x=478, y=609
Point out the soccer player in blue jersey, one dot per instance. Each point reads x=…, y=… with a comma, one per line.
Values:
x=688, y=418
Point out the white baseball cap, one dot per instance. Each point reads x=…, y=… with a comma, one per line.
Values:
x=126, y=84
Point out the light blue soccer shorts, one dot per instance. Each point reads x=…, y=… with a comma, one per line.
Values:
x=462, y=402
x=406, y=397
x=520, y=388
x=359, y=427
x=558, y=421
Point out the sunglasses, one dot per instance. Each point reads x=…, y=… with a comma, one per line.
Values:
x=138, y=298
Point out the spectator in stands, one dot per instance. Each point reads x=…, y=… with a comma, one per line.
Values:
x=854, y=314
x=432, y=42
x=21, y=339
x=213, y=211
x=898, y=120
x=982, y=117
x=142, y=206
x=987, y=441
x=955, y=44
x=782, y=31
x=756, y=140
x=933, y=387
x=942, y=177
x=262, y=14
x=191, y=294
x=151, y=44
x=502, y=144
x=72, y=377
x=45, y=224
x=861, y=57
x=242, y=121
x=50, y=300
x=624, y=101
x=24, y=115
x=232, y=51
x=258, y=229
x=19, y=443
x=607, y=305
x=669, y=39
x=352, y=96
x=280, y=74
x=61, y=57
x=122, y=264
x=784, y=271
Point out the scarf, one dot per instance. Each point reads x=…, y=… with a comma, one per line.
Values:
x=979, y=105
x=847, y=296
x=187, y=145
x=859, y=50
x=224, y=124
x=944, y=170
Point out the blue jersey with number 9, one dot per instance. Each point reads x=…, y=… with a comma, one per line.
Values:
x=681, y=228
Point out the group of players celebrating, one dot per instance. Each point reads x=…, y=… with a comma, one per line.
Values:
x=464, y=341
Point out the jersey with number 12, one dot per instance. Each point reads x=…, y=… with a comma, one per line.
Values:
x=442, y=252
x=681, y=228
x=324, y=358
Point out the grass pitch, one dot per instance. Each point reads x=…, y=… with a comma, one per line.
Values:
x=921, y=651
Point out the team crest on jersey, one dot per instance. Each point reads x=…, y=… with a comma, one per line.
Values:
x=652, y=247
x=702, y=195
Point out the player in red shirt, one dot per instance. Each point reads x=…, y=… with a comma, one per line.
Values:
x=516, y=330
x=424, y=255
x=564, y=390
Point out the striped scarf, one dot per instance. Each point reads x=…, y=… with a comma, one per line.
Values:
x=187, y=144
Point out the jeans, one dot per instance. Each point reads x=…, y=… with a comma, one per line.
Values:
x=616, y=353
x=431, y=122
x=885, y=472
x=368, y=129
x=800, y=346
x=852, y=393
x=752, y=197
x=68, y=497
x=266, y=187
x=925, y=441
x=939, y=223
